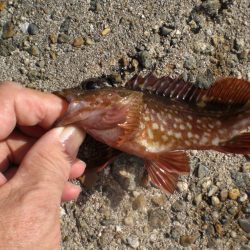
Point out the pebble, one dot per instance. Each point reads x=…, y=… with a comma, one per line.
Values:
x=2, y=6
x=246, y=167
x=233, y=234
x=106, y=31
x=34, y=51
x=245, y=224
x=53, y=38
x=243, y=197
x=145, y=59
x=239, y=44
x=178, y=206
x=218, y=229
x=64, y=28
x=6, y=47
x=164, y=31
x=198, y=199
x=133, y=241
x=205, y=80
x=182, y=186
x=89, y=41
x=157, y=218
x=159, y=200
x=233, y=194
x=247, y=209
x=63, y=38
x=212, y=191
x=241, y=179
x=128, y=221
x=33, y=29
x=186, y=240
x=223, y=194
x=211, y=7
x=139, y=202
x=206, y=184
x=8, y=30
x=78, y=42
x=215, y=201
x=190, y=63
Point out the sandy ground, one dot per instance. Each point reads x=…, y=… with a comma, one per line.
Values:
x=51, y=45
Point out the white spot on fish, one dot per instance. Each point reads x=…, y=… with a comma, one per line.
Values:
x=170, y=132
x=188, y=143
x=215, y=141
x=189, y=125
x=164, y=138
x=203, y=140
x=182, y=127
x=155, y=126
x=175, y=126
x=146, y=118
x=210, y=125
x=190, y=117
x=189, y=135
x=162, y=128
x=196, y=136
x=150, y=134
x=177, y=135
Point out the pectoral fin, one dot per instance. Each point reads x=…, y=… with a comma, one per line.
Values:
x=164, y=172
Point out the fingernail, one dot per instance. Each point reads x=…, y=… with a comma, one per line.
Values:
x=71, y=138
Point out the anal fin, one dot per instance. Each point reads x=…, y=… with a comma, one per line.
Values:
x=165, y=170
x=239, y=144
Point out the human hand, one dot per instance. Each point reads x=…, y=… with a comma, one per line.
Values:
x=30, y=194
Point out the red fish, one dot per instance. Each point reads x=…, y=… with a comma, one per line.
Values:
x=158, y=119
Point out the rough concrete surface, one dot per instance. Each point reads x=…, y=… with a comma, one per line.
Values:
x=51, y=45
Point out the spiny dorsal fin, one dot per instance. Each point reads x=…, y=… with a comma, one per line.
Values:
x=226, y=91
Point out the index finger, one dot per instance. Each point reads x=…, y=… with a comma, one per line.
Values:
x=27, y=107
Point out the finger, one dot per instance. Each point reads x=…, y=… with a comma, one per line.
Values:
x=27, y=107
x=14, y=149
x=77, y=169
x=47, y=164
x=70, y=192
x=10, y=173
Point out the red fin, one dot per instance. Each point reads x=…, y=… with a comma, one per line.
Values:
x=239, y=144
x=222, y=94
x=96, y=155
x=164, y=172
x=133, y=117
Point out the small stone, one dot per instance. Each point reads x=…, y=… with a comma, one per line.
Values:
x=78, y=42
x=234, y=194
x=178, y=206
x=239, y=44
x=246, y=167
x=53, y=55
x=8, y=30
x=157, y=218
x=33, y=29
x=128, y=221
x=215, y=215
x=133, y=241
x=63, y=38
x=145, y=59
x=202, y=171
x=223, y=194
x=211, y=7
x=243, y=197
x=89, y=41
x=247, y=209
x=139, y=202
x=64, y=28
x=198, y=199
x=106, y=31
x=190, y=63
x=116, y=77
x=164, y=31
x=233, y=210
x=186, y=240
x=176, y=232
x=34, y=51
x=206, y=184
x=6, y=47
x=135, y=64
x=205, y=80
x=159, y=200
x=245, y=224
x=219, y=229
x=182, y=186
x=212, y=191
x=2, y=5
x=53, y=38
x=215, y=201
x=233, y=234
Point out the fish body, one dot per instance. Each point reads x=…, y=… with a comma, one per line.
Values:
x=158, y=119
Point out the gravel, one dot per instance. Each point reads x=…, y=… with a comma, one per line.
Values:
x=51, y=45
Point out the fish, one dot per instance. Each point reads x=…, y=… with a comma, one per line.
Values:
x=159, y=120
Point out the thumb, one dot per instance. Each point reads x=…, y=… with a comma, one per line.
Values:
x=47, y=164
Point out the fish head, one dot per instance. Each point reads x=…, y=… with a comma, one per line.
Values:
x=104, y=113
